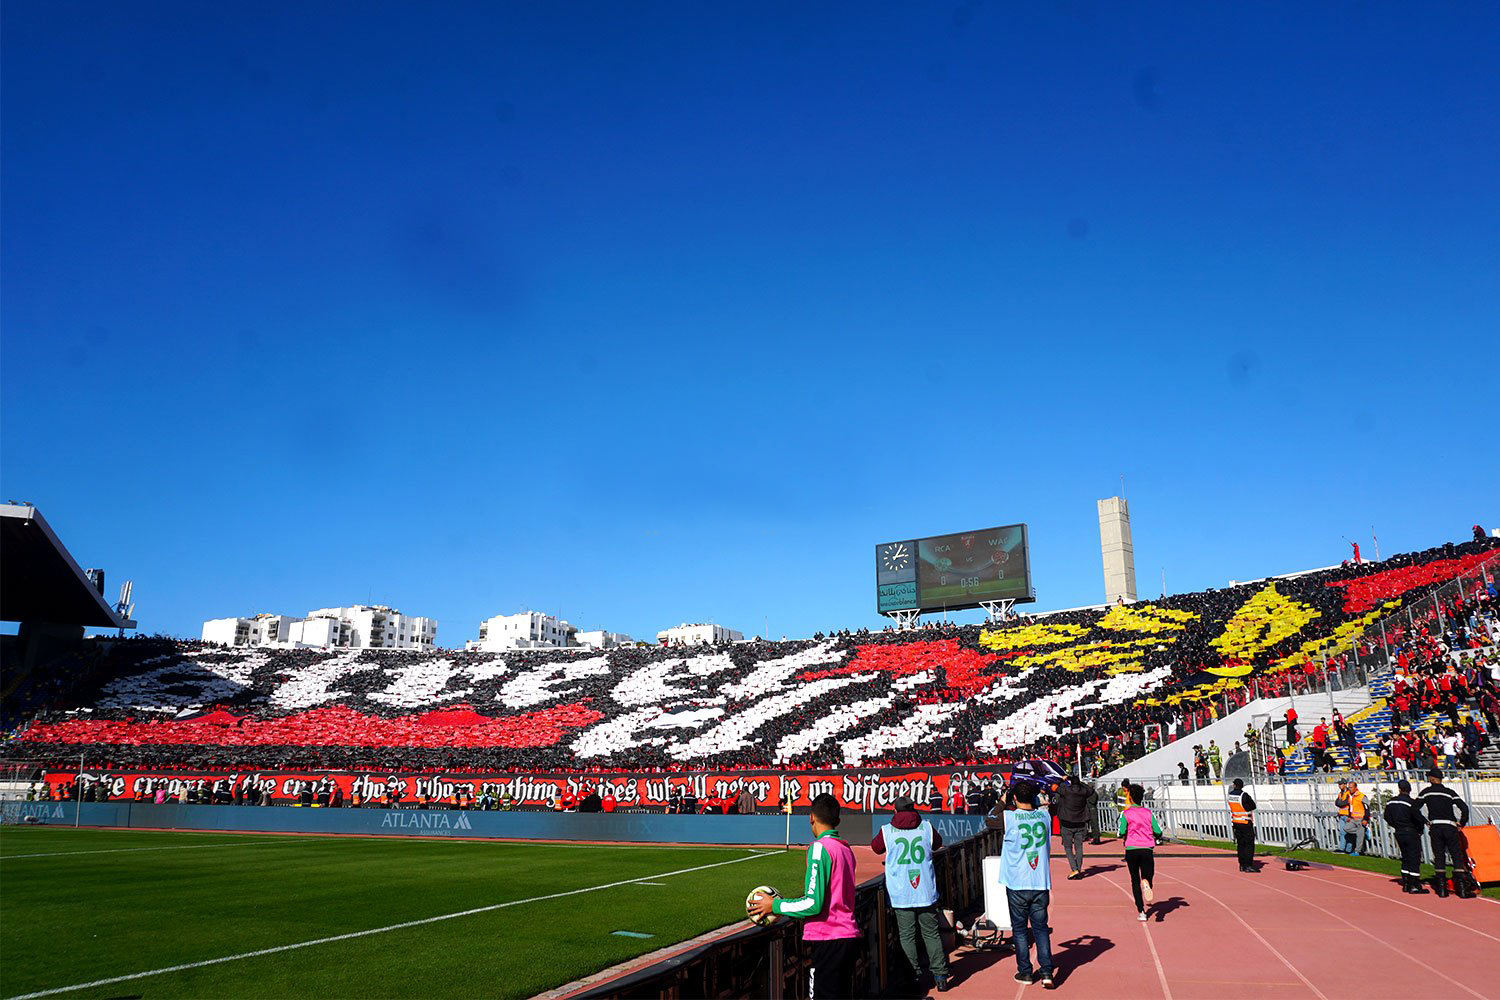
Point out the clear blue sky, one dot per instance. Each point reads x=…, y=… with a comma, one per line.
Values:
x=646, y=313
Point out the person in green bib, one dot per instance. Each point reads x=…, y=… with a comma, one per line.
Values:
x=908, y=842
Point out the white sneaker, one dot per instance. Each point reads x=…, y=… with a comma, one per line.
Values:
x=1140, y=915
x=1146, y=892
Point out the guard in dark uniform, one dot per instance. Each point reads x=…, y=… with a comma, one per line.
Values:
x=1404, y=816
x=1445, y=813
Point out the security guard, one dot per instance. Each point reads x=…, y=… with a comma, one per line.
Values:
x=1242, y=817
x=1404, y=817
x=1353, y=816
x=1445, y=813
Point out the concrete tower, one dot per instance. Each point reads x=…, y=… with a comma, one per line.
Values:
x=1119, y=553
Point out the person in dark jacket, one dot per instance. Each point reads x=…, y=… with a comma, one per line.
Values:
x=1446, y=814
x=911, y=885
x=1404, y=817
x=1074, y=803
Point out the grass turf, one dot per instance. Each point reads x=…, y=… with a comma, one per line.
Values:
x=1381, y=866
x=147, y=900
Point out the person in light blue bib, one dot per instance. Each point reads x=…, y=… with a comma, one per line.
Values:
x=1026, y=874
x=908, y=842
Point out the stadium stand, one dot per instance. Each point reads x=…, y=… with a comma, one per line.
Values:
x=1089, y=681
x=1435, y=676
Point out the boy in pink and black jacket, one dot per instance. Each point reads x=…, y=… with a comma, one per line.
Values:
x=826, y=906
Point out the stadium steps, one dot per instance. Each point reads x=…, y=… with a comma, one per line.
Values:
x=1225, y=732
x=1373, y=722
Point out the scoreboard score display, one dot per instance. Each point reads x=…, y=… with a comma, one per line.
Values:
x=953, y=572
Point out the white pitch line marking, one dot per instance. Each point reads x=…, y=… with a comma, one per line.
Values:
x=137, y=850
x=374, y=930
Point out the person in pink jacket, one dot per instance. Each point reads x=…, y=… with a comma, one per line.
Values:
x=826, y=906
x=1140, y=830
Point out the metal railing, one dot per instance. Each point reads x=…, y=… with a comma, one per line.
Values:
x=768, y=961
x=1292, y=812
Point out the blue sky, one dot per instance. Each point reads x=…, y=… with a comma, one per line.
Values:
x=647, y=313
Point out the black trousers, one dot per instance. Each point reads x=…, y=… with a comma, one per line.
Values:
x=1244, y=843
x=1446, y=844
x=1410, y=842
x=1141, y=861
x=831, y=976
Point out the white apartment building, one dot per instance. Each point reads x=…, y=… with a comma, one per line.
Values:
x=598, y=638
x=260, y=630
x=698, y=635
x=375, y=626
x=527, y=630
x=358, y=627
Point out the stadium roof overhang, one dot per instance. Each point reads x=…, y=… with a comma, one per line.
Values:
x=39, y=580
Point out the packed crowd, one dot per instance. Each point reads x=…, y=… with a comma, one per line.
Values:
x=1104, y=682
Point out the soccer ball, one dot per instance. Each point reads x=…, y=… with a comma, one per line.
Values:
x=760, y=890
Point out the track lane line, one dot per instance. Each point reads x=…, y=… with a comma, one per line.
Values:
x=374, y=930
x=1161, y=974
x=1402, y=902
x=1378, y=940
x=1269, y=946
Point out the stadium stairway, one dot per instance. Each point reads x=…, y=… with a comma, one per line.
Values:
x=1226, y=731
x=1370, y=723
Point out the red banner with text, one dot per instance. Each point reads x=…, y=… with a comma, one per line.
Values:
x=857, y=790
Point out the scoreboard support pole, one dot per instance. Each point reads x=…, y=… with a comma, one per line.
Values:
x=905, y=618
x=998, y=611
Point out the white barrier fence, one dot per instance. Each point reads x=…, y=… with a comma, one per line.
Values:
x=1289, y=813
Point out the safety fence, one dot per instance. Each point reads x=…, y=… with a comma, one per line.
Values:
x=1293, y=812
x=769, y=962
x=1347, y=663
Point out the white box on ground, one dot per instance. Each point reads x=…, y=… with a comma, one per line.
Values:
x=996, y=909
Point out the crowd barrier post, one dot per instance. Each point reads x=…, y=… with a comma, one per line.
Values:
x=78, y=794
x=1286, y=810
x=1328, y=685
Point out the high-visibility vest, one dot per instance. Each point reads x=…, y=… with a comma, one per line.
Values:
x=1357, y=805
x=1237, y=811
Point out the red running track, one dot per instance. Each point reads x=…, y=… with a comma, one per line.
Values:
x=1215, y=933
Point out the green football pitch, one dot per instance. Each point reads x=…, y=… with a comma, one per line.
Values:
x=96, y=913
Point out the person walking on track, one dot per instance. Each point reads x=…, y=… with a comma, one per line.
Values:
x=1075, y=804
x=1242, y=818
x=1404, y=816
x=1139, y=828
x=1446, y=813
x=907, y=842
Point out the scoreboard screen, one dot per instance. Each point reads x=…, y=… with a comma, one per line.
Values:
x=953, y=572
